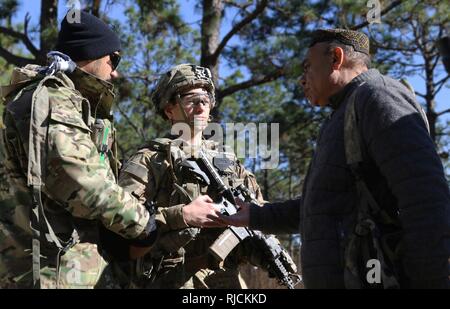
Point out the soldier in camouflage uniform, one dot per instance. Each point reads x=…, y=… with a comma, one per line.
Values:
x=57, y=142
x=180, y=258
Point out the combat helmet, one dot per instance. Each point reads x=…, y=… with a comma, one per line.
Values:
x=179, y=79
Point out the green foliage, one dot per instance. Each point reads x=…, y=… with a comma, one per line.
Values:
x=156, y=39
x=405, y=42
x=408, y=34
x=8, y=8
x=5, y=68
x=50, y=34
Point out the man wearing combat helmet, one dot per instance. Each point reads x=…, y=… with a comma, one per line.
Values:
x=375, y=191
x=180, y=258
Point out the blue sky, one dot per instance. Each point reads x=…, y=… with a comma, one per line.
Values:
x=189, y=14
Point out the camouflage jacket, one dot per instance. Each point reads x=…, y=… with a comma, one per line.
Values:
x=150, y=176
x=78, y=184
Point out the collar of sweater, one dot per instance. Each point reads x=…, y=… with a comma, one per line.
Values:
x=337, y=98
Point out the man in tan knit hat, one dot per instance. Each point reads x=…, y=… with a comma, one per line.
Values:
x=375, y=207
x=352, y=50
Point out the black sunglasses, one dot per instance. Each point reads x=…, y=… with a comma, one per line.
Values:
x=115, y=59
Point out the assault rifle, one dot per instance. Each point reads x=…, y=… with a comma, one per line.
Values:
x=277, y=260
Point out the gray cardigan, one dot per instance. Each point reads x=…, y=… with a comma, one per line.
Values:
x=403, y=172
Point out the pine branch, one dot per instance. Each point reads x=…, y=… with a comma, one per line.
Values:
x=248, y=19
x=250, y=83
x=386, y=47
x=22, y=36
x=14, y=59
x=443, y=112
x=420, y=94
x=130, y=122
x=383, y=12
x=438, y=85
x=242, y=6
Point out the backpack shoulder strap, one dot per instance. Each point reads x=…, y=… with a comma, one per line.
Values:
x=367, y=207
x=354, y=154
x=352, y=137
x=42, y=230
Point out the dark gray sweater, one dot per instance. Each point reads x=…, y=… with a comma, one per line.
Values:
x=403, y=172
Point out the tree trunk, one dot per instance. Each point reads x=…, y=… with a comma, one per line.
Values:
x=429, y=97
x=290, y=183
x=49, y=28
x=210, y=33
x=265, y=189
x=96, y=7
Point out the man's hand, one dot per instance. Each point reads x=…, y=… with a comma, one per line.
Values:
x=202, y=213
x=241, y=218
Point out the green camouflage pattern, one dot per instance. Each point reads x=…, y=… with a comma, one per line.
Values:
x=148, y=175
x=79, y=187
x=80, y=268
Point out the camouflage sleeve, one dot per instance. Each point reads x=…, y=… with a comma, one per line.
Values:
x=172, y=217
x=78, y=178
x=139, y=176
x=249, y=181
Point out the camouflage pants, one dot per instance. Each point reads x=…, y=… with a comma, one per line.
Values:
x=172, y=274
x=176, y=277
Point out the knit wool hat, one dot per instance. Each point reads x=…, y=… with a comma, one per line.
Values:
x=88, y=39
x=358, y=40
